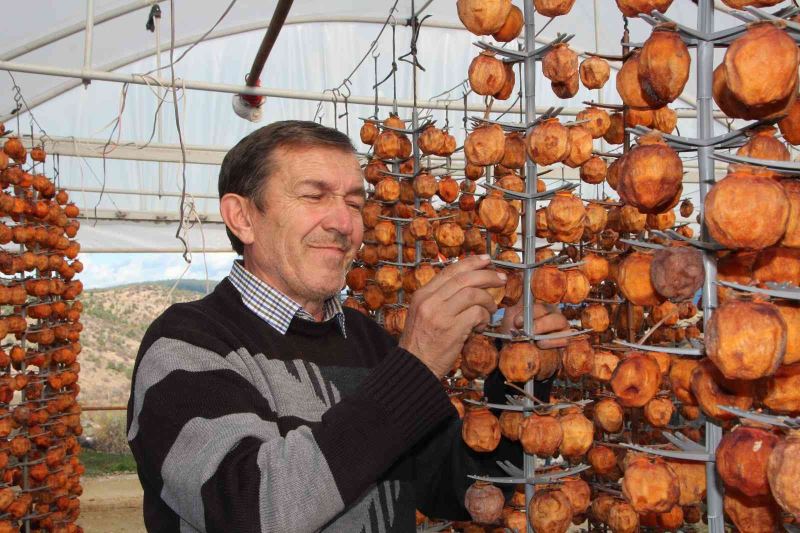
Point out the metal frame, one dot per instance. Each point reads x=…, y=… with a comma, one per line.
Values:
x=61, y=89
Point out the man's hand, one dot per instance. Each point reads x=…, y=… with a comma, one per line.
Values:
x=444, y=312
x=546, y=319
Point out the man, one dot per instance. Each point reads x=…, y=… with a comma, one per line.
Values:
x=266, y=406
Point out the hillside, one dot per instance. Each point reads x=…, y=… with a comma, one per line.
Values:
x=115, y=320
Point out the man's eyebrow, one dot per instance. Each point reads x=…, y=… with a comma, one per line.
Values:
x=325, y=186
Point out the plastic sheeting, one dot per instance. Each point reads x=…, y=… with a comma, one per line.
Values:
x=308, y=57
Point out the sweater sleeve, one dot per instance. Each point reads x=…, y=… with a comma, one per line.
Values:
x=208, y=438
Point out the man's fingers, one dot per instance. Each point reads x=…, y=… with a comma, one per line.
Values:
x=478, y=317
x=479, y=279
x=552, y=344
x=550, y=323
x=540, y=310
x=544, y=324
x=470, y=297
x=468, y=264
x=549, y=344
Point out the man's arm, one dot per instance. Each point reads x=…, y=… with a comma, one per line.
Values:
x=206, y=433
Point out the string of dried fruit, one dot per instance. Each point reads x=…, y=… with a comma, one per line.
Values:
x=40, y=325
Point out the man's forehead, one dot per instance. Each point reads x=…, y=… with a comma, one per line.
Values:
x=321, y=166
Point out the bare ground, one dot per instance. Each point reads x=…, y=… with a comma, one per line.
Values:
x=112, y=504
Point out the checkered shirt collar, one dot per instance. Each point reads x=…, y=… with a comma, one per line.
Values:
x=274, y=307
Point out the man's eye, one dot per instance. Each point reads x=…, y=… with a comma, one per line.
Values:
x=356, y=205
x=312, y=196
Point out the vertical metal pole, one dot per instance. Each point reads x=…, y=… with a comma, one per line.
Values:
x=159, y=121
x=414, y=126
x=529, y=233
x=705, y=64
x=597, y=50
x=87, y=38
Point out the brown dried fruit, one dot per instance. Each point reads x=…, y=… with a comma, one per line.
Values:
x=691, y=480
x=550, y=511
x=484, y=502
x=742, y=457
x=651, y=176
x=565, y=217
x=594, y=73
x=781, y=391
x=783, y=472
x=480, y=430
x=746, y=340
x=560, y=63
x=512, y=27
x=578, y=435
x=636, y=380
x=595, y=317
x=762, y=145
x=608, y=415
x=485, y=145
x=616, y=131
x=791, y=238
x=577, y=358
x=593, y=171
x=634, y=279
x=754, y=515
x=519, y=361
x=658, y=412
x=712, y=389
x=790, y=124
x=650, y=485
x=483, y=17
x=487, y=74
x=549, y=284
x=622, y=517
x=665, y=119
x=768, y=50
x=553, y=8
x=580, y=146
x=664, y=65
x=677, y=273
x=548, y=142
x=578, y=492
x=479, y=354
x=514, y=154
x=629, y=87
x=634, y=8
x=541, y=435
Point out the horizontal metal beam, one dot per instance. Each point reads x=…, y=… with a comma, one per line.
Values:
x=48, y=95
x=152, y=81
x=133, y=151
x=143, y=216
x=72, y=29
x=153, y=250
x=129, y=192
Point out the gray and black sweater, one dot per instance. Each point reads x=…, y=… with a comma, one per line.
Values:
x=236, y=427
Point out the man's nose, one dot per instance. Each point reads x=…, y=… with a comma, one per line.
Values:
x=339, y=217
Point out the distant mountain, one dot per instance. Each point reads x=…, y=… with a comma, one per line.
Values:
x=115, y=320
x=190, y=285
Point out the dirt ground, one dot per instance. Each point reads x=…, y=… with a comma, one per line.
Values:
x=112, y=504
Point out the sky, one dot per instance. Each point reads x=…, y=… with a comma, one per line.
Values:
x=106, y=270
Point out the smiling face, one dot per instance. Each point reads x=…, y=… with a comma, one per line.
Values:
x=310, y=227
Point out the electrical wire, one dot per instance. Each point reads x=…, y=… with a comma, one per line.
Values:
x=198, y=41
x=187, y=256
x=347, y=81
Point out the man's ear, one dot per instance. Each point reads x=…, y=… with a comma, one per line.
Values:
x=235, y=211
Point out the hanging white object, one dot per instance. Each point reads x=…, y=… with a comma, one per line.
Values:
x=244, y=109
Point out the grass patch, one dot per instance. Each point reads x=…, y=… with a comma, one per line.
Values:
x=101, y=463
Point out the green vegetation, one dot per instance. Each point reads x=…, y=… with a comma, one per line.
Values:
x=102, y=463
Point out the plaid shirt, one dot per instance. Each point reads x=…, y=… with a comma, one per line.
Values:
x=274, y=307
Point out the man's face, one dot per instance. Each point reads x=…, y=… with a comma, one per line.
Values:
x=310, y=228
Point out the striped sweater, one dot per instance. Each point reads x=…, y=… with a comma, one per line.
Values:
x=237, y=427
